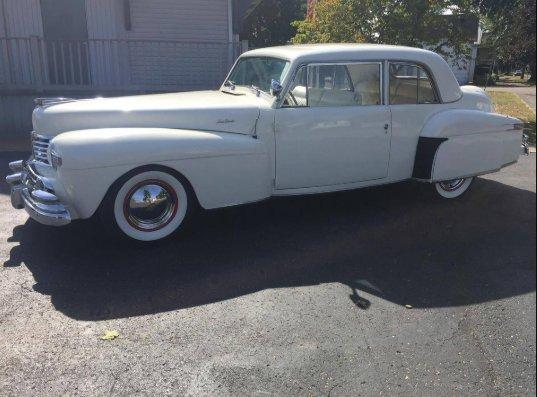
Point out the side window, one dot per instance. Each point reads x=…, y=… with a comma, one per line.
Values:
x=410, y=84
x=366, y=81
x=298, y=92
x=336, y=85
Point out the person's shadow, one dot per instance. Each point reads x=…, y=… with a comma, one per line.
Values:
x=395, y=242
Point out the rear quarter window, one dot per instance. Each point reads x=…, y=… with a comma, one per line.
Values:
x=411, y=84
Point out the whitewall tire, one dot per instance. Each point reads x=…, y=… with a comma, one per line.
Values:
x=454, y=188
x=147, y=206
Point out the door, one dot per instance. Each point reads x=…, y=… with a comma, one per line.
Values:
x=333, y=127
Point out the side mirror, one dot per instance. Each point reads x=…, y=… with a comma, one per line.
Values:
x=275, y=88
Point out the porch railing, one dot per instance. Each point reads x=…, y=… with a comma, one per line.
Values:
x=113, y=64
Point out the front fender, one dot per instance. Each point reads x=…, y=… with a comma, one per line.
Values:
x=459, y=143
x=224, y=169
x=113, y=147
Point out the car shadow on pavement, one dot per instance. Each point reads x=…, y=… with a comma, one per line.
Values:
x=395, y=242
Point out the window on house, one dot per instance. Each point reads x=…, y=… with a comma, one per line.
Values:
x=336, y=85
x=410, y=84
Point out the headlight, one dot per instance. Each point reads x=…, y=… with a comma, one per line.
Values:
x=55, y=158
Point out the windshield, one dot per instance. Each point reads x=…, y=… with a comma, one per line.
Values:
x=258, y=72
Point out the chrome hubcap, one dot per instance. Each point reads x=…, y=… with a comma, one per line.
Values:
x=452, y=185
x=150, y=205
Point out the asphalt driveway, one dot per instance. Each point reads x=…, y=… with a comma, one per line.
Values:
x=260, y=300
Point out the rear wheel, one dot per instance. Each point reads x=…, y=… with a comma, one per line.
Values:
x=147, y=205
x=453, y=188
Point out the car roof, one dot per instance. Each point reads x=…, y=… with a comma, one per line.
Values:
x=293, y=52
x=448, y=85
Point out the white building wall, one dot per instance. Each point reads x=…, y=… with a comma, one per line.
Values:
x=21, y=20
x=462, y=67
x=177, y=43
x=191, y=20
x=3, y=49
x=109, y=60
x=195, y=54
x=104, y=19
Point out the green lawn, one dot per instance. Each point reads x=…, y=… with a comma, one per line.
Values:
x=512, y=105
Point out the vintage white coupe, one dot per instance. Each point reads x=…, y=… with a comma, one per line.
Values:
x=288, y=120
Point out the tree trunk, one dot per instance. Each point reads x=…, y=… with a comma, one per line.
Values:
x=532, y=70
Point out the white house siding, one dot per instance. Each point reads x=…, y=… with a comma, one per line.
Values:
x=191, y=20
x=3, y=49
x=109, y=60
x=22, y=19
x=202, y=63
x=462, y=67
x=176, y=43
x=104, y=19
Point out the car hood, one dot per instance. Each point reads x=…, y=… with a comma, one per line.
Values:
x=202, y=111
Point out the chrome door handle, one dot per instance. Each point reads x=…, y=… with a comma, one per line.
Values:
x=386, y=127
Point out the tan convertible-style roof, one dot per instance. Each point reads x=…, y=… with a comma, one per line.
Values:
x=445, y=79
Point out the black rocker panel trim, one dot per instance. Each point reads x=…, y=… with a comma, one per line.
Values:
x=423, y=164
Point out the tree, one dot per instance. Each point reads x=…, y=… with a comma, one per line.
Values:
x=417, y=23
x=268, y=22
x=511, y=30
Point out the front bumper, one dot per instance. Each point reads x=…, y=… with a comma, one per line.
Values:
x=35, y=194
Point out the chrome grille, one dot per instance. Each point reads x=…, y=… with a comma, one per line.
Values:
x=40, y=146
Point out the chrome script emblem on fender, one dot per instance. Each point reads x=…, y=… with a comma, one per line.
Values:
x=225, y=121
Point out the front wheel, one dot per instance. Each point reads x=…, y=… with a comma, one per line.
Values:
x=146, y=206
x=453, y=188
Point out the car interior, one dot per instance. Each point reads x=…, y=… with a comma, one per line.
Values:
x=359, y=85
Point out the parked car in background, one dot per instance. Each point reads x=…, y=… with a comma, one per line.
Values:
x=519, y=72
x=288, y=120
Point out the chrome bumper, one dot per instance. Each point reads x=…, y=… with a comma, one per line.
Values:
x=34, y=193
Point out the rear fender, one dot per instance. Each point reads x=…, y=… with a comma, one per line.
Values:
x=460, y=143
